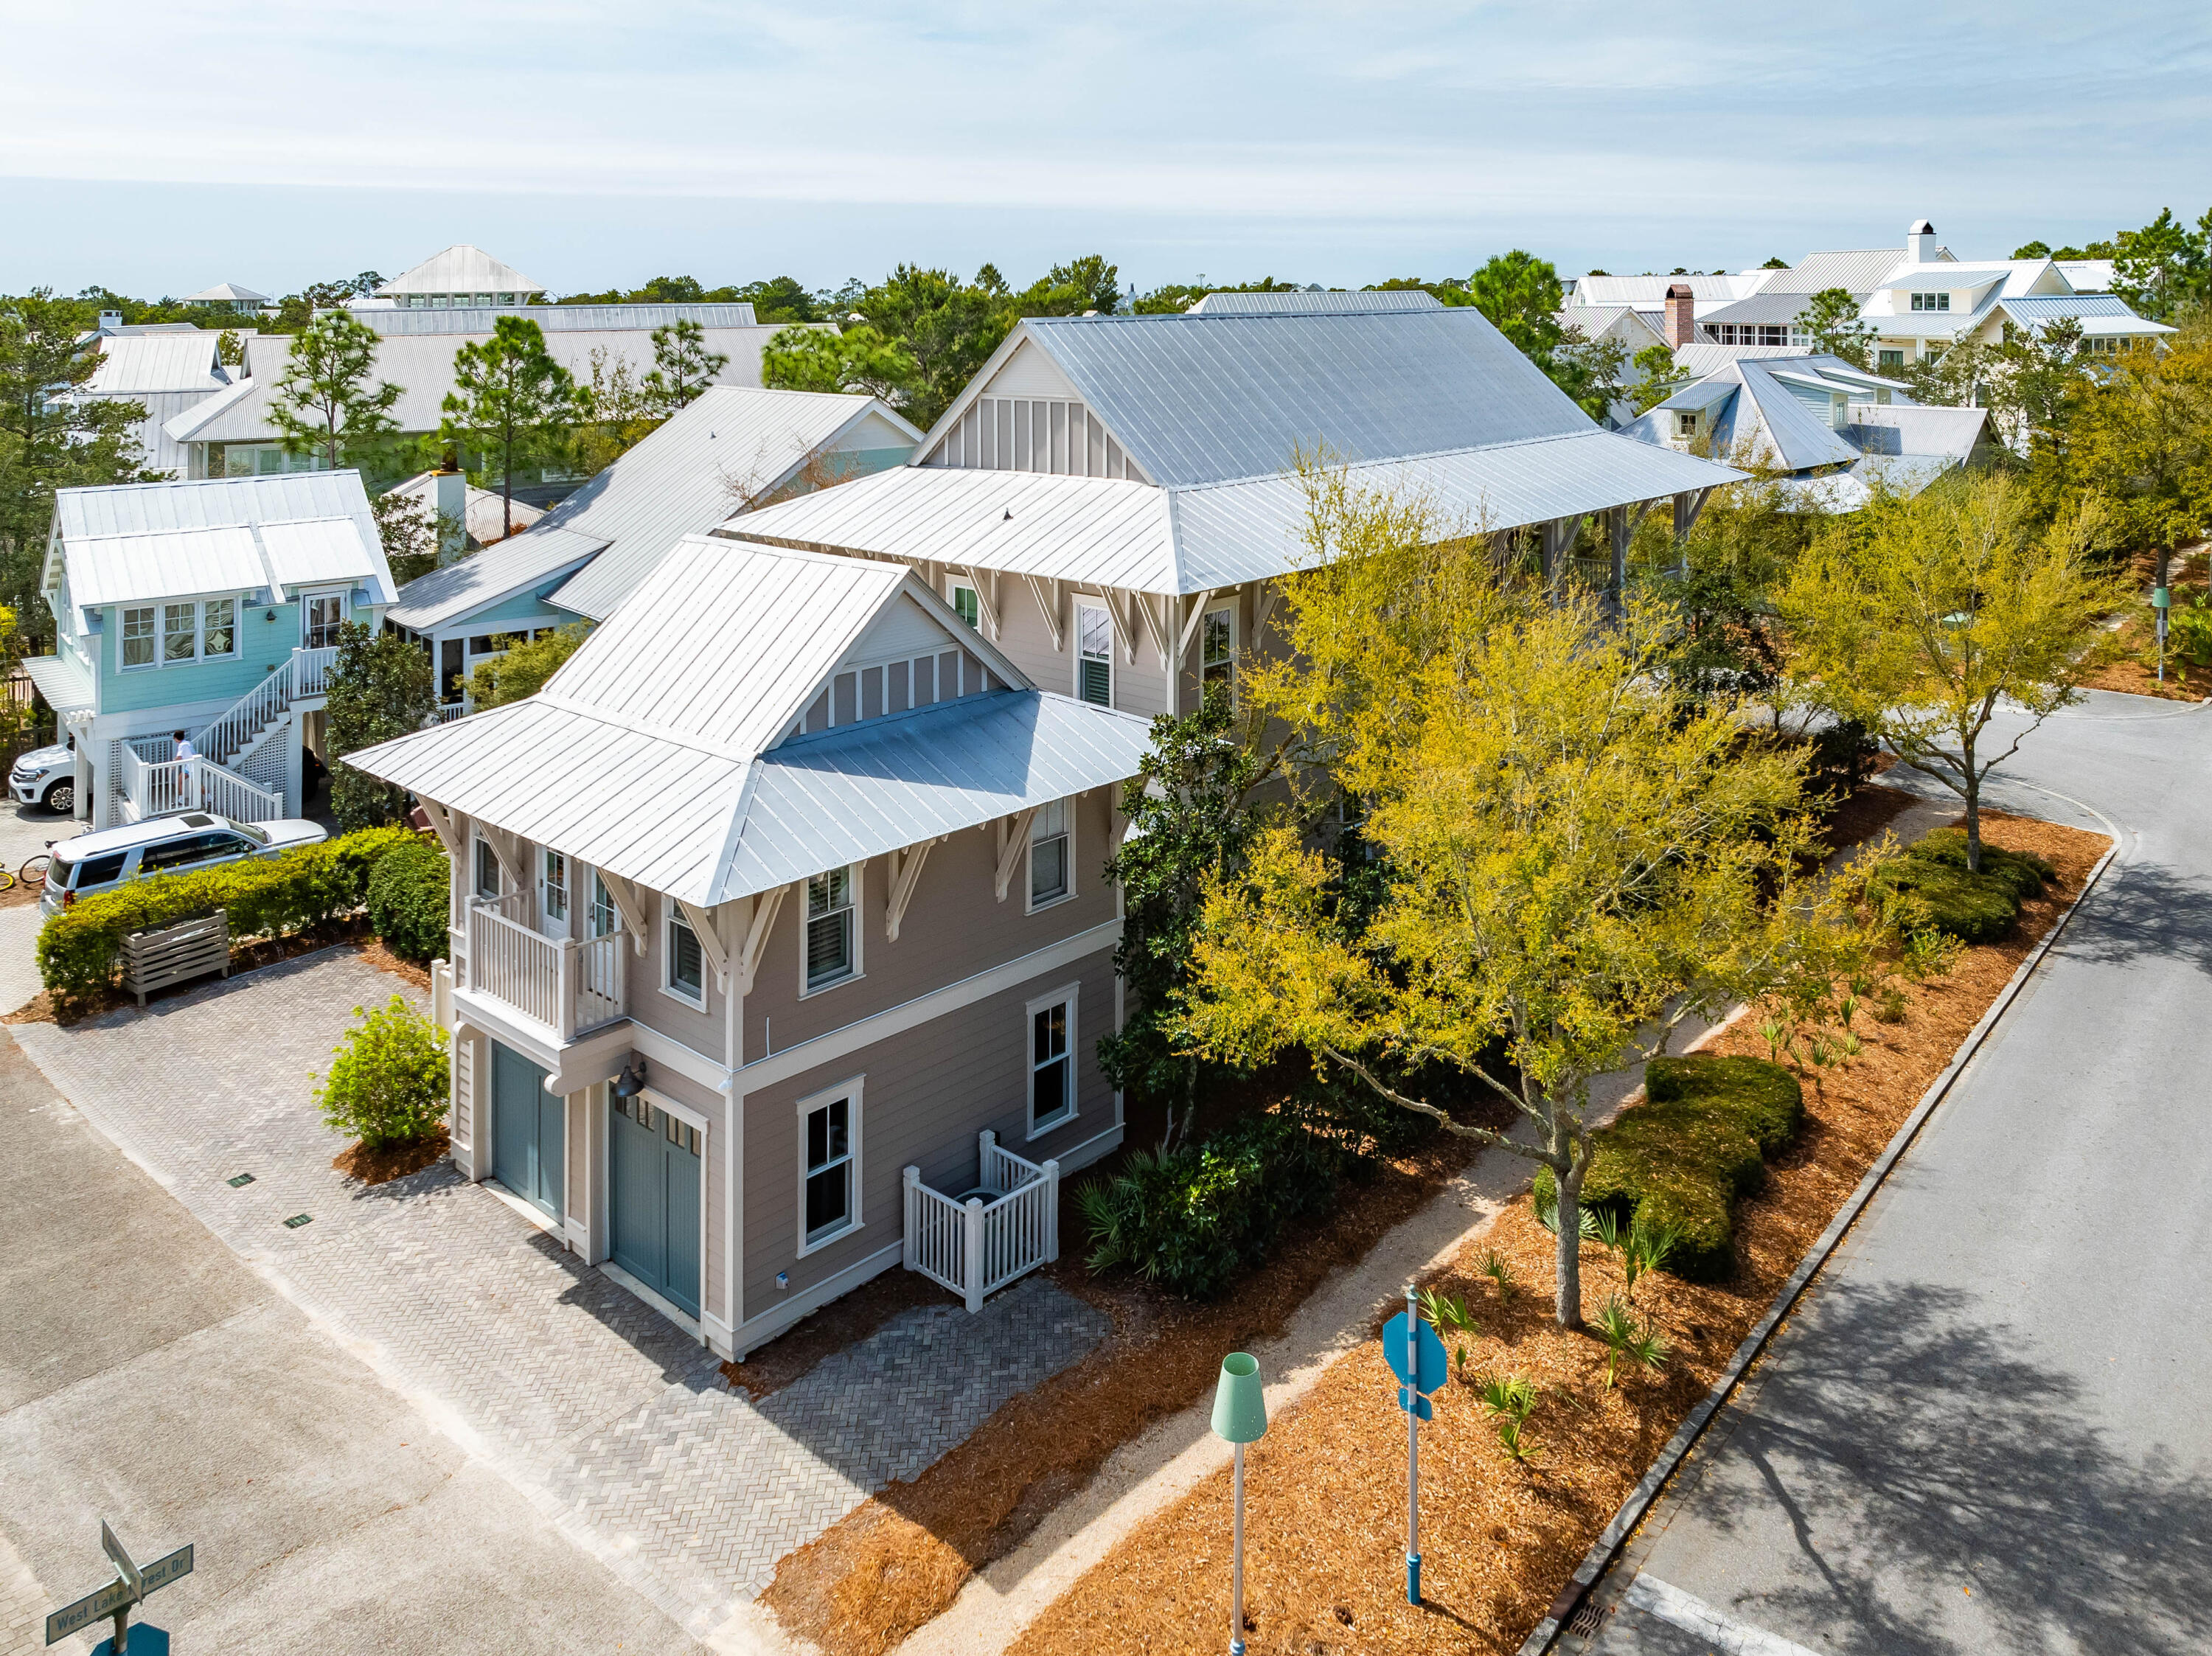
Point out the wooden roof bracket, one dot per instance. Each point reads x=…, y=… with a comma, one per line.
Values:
x=1013, y=841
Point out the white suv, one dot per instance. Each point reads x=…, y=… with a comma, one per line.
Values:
x=47, y=777
x=163, y=845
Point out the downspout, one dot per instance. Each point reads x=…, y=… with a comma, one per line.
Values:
x=733, y=1137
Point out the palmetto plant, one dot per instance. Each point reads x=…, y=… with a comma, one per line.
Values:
x=1625, y=1338
x=1776, y=1034
x=1520, y=1445
x=1547, y=1215
x=1495, y=1267
x=1647, y=1248
x=1849, y=1045
x=1445, y=1312
x=1507, y=1397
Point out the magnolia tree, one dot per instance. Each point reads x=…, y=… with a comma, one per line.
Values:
x=1576, y=857
x=1923, y=617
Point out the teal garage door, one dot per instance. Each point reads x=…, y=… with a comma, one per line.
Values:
x=653, y=1219
x=527, y=1130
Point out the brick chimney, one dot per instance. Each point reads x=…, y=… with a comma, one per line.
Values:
x=1681, y=316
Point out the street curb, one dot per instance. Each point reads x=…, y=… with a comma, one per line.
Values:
x=1640, y=1500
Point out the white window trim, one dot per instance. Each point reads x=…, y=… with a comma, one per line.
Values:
x=342, y=594
x=1068, y=994
x=1029, y=905
x=566, y=918
x=956, y=583
x=1113, y=643
x=859, y=872
x=478, y=845
x=237, y=616
x=122, y=611
x=1229, y=609
x=850, y=1091
x=670, y=917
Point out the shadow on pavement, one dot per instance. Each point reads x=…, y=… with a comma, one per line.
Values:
x=1910, y=1451
x=2149, y=912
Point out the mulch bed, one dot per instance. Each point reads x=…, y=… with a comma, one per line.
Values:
x=1325, y=1524
x=1863, y=816
x=380, y=1167
x=244, y=958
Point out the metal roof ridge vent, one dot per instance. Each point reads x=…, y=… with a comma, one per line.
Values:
x=1389, y=459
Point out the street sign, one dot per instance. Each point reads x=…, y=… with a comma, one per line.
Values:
x=1432, y=1348
x=1415, y=1404
x=130, y=1587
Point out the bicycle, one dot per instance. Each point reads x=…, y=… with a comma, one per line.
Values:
x=34, y=871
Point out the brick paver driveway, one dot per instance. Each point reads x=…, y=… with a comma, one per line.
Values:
x=614, y=1423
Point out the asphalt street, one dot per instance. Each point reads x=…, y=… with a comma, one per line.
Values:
x=150, y=1377
x=1984, y=1428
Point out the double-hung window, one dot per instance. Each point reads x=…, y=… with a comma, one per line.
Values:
x=832, y=929
x=180, y=632
x=1052, y=1061
x=686, y=973
x=138, y=637
x=1094, y=655
x=486, y=885
x=829, y=1171
x=1049, y=858
x=1218, y=652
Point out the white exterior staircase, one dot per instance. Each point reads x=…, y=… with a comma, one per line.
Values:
x=147, y=785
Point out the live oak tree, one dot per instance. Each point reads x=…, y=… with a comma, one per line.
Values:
x=511, y=403
x=381, y=688
x=322, y=401
x=1920, y=617
x=1575, y=857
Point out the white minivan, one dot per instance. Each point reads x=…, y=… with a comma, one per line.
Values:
x=163, y=845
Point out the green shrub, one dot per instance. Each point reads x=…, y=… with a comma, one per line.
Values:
x=1679, y=1162
x=407, y=899
x=80, y=948
x=1974, y=908
x=1193, y=1219
x=388, y=1083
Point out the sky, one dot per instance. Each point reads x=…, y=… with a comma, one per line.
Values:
x=161, y=148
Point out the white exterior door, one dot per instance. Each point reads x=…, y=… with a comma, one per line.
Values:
x=556, y=878
x=321, y=614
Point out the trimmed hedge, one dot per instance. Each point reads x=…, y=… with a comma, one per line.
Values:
x=80, y=948
x=1700, y=1140
x=1975, y=908
x=407, y=896
x=1192, y=1220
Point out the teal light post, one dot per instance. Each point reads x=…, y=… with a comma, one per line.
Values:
x=1240, y=1417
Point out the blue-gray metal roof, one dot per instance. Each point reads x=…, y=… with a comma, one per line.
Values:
x=821, y=801
x=1201, y=399
x=499, y=571
x=1800, y=437
x=1326, y=303
x=2039, y=310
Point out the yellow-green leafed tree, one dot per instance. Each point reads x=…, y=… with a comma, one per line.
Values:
x=1922, y=616
x=524, y=668
x=1574, y=857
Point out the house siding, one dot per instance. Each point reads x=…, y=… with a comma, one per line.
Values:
x=953, y=929
x=927, y=1093
x=264, y=645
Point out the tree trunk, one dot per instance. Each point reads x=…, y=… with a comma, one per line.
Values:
x=1567, y=1293
x=1973, y=791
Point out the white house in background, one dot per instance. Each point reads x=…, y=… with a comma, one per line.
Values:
x=167, y=373
x=459, y=277
x=210, y=606
x=1112, y=502
x=480, y=514
x=230, y=435
x=1833, y=432
x=731, y=448
x=229, y=296
x=1318, y=303
x=779, y=953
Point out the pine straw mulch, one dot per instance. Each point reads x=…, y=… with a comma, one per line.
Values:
x=244, y=958
x=380, y=1167
x=899, y=1558
x=1326, y=1489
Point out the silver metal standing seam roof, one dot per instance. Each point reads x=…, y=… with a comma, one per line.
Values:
x=658, y=751
x=732, y=444
x=66, y=686
x=1855, y=269
x=555, y=318
x=1196, y=399
x=1801, y=439
x=1108, y=532
x=499, y=571
x=460, y=269
x=227, y=293
x=2094, y=311
x=156, y=362
x=1326, y=303
x=209, y=503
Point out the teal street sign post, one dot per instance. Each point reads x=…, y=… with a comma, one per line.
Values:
x=130, y=1586
x=1416, y=1356
x=1240, y=1417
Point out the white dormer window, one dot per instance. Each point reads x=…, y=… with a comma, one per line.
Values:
x=966, y=604
x=1686, y=425
x=1931, y=301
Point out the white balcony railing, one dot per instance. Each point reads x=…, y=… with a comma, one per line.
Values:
x=146, y=788
x=571, y=986
x=1004, y=1228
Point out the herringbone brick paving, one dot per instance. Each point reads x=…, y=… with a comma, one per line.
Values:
x=613, y=1421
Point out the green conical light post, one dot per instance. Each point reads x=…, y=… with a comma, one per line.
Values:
x=1240, y=1417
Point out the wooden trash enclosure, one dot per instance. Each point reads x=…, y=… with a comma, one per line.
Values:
x=176, y=954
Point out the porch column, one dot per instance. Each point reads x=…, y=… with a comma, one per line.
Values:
x=294, y=769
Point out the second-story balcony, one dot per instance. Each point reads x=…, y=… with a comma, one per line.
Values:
x=571, y=985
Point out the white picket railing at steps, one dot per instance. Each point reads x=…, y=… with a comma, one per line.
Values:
x=304, y=673
x=146, y=788
x=976, y=1247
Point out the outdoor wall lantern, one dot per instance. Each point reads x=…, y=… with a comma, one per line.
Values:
x=1240, y=1417
x=631, y=1082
